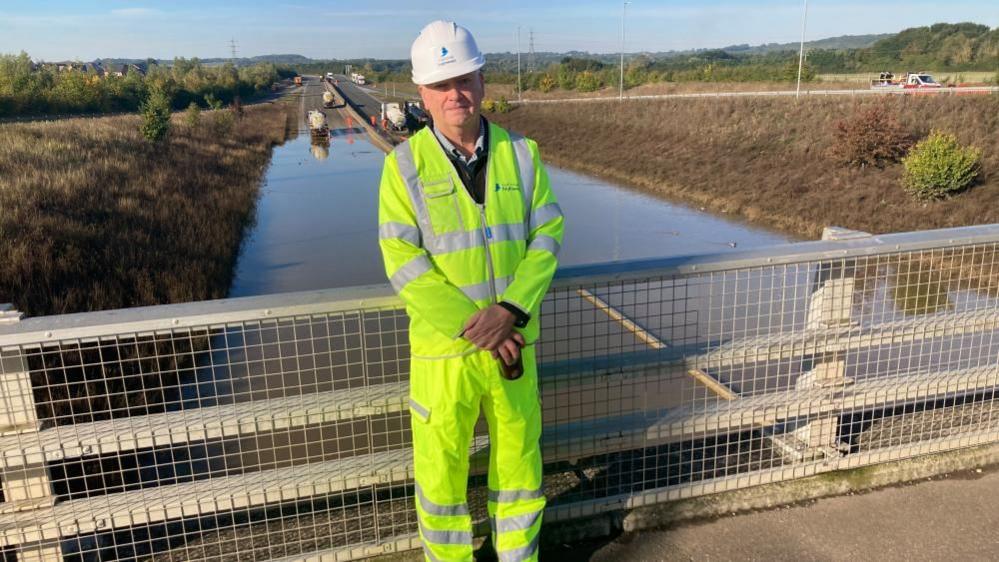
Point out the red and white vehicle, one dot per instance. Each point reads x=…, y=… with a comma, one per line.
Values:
x=911, y=80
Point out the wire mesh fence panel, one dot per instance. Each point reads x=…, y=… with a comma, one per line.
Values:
x=276, y=428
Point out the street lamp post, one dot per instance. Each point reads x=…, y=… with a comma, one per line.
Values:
x=801, y=50
x=624, y=7
x=518, y=63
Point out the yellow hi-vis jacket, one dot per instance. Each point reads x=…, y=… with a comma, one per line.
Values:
x=447, y=256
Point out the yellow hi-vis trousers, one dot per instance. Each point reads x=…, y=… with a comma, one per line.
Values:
x=445, y=396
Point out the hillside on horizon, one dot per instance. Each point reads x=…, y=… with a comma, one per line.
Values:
x=941, y=46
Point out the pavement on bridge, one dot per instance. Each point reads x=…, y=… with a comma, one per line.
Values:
x=951, y=517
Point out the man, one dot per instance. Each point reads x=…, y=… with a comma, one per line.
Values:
x=470, y=232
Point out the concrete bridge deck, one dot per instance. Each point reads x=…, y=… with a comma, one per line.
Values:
x=938, y=508
x=952, y=517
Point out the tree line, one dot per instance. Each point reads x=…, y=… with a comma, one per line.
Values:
x=27, y=88
x=939, y=47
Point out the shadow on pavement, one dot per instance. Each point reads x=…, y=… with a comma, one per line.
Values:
x=578, y=550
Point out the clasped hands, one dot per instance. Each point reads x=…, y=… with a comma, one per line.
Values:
x=491, y=329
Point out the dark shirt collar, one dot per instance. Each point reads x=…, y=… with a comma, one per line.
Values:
x=455, y=154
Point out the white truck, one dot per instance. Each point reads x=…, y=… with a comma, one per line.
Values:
x=395, y=115
x=318, y=128
x=357, y=78
x=406, y=117
x=909, y=81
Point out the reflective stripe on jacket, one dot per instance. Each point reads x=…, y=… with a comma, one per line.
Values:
x=434, y=237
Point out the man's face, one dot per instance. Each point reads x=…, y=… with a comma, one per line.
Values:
x=455, y=101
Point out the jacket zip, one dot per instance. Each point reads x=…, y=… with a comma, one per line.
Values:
x=487, y=233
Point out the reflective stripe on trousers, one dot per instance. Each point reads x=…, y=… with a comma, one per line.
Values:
x=445, y=398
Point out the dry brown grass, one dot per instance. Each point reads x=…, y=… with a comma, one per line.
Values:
x=768, y=160
x=92, y=216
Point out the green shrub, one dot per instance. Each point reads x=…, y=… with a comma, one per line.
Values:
x=155, y=116
x=587, y=81
x=193, y=115
x=223, y=121
x=212, y=101
x=547, y=83
x=938, y=166
x=566, y=78
x=871, y=136
x=496, y=106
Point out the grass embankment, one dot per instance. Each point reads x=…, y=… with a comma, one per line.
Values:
x=92, y=216
x=769, y=161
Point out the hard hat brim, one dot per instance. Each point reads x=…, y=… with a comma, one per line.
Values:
x=450, y=71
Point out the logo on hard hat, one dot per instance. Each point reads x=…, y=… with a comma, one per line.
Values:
x=445, y=58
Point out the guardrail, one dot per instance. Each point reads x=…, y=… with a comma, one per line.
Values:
x=276, y=427
x=975, y=90
x=378, y=136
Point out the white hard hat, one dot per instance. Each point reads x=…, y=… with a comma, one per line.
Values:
x=444, y=50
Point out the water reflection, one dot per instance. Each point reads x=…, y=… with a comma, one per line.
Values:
x=317, y=221
x=320, y=150
x=919, y=291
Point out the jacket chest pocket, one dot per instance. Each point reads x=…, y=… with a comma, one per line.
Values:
x=443, y=208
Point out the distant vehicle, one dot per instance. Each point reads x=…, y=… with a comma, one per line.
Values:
x=329, y=76
x=318, y=127
x=911, y=80
x=395, y=115
x=298, y=80
x=357, y=78
x=416, y=117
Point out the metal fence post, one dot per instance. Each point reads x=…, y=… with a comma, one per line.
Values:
x=830, y=305
x=25, y=487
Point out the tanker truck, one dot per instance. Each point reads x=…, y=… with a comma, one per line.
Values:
x=317, y=125
x=395, y=116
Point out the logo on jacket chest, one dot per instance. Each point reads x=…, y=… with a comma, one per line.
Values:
x=506, y=187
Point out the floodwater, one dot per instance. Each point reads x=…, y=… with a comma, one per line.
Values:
x=316, y=228
x=317, y=221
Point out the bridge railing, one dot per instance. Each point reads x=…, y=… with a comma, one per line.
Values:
x=276, y=427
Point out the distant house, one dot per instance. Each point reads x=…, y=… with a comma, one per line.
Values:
x=124, y=69
x=98, y=68
x=70, y=66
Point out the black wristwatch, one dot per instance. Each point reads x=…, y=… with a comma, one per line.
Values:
x=522, y=318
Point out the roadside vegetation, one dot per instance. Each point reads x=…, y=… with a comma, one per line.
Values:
x=27, y=88
x=956, y=51
x=797, y=167
x=95, y=216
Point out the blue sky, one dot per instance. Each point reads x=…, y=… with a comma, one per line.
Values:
x=87, y=29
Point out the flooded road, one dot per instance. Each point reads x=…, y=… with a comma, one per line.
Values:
x=317, y=221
